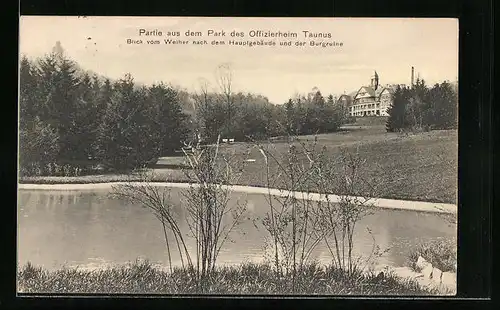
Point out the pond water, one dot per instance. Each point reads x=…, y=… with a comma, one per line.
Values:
x=89, y=228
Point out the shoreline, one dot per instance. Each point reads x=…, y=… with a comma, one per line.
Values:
x=385, y=203
x=239, y=275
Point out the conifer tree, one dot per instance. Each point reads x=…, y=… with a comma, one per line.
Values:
x=168, y=120
x=38, y=141
x=114, y=133
x=85, y=119
x=418, y=106
x=445, y=100
x=59, y=89
x=38, y=146
x=290, y=115
x=28, y=92
x=397, y=111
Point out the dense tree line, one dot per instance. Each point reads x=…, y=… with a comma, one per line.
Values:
x=312, y=114
x=250, y=116
x=422, y=107
x=71, y=120
x=254, y=117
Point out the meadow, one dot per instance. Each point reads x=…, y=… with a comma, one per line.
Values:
x=420, y=166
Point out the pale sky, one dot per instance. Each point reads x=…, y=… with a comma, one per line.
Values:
x=388, y=45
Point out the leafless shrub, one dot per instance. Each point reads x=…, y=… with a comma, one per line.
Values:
x=290, y=221
x=341, y=217
x=298, y=226
x=156, y=199
x=207, y=205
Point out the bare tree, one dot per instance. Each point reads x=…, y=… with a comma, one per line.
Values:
x=224, y=77
x=202, y=104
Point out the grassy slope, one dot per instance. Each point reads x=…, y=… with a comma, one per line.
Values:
x=416, y=167
x=143, y=278
x=370, y=121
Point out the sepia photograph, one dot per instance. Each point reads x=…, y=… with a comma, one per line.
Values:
x=237, y=156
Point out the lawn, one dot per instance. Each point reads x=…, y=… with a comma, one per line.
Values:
x=420, y=166
x=416, y=167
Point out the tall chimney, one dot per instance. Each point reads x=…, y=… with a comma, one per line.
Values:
x=412, y=76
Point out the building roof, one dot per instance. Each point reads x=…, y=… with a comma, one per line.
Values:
x=349, y=97
x=372, y=92
x=378, y=91
x=369, y=90
x=353, y=93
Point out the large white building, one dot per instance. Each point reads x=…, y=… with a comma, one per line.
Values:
x=372, y=100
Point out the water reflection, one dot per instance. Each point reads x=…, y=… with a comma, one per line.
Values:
x=89, y=227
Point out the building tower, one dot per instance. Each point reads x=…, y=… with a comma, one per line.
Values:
x=374, y=81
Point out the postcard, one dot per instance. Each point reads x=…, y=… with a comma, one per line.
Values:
x=237, y=156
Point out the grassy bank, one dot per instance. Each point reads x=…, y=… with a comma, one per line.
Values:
x=370, y=121
x=160, y=175
x=415, y=167
x=143, y=278
x=441, y=254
